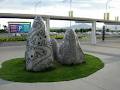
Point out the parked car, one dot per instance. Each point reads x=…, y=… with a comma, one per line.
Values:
x=108, y=33
x=98, y=33
x=115, y=33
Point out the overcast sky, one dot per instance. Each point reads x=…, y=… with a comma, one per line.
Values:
x=81, y=8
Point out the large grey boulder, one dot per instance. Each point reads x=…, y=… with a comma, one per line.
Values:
x=54, y=48
x=38, y=55
x=70, y=51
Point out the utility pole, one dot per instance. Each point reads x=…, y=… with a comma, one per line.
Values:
x=107, y=14
x=35, y=7
x=70, y=12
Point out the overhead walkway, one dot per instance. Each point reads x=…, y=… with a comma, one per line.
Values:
x=53, y=17
x=47, y=18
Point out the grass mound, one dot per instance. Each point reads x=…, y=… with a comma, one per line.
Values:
x=14, y=70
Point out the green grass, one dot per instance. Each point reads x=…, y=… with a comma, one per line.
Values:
x=23, y=38
x=57, y=36
x=14, y=70
x=9, y=39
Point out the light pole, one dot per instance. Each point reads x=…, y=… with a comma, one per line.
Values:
x=107, y=14
x=35, y=6
x=70, y=4
x=107, y=5
x=70, y=12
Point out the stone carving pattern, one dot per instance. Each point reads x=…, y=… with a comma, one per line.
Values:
x=38, y=49
x=70, y=51
x=54, y=48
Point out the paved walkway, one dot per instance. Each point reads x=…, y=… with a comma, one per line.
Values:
x=107, y=78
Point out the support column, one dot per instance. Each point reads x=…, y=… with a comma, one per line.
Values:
x=48, y=27
x=93, y=33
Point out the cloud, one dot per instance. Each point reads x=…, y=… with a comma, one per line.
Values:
x=22, y=4
x=114, y=4
x=2, y=1
x=26, y=4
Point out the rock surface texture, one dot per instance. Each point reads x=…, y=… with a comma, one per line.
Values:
x=70, y=51
x=54, y=48
x=38, y=55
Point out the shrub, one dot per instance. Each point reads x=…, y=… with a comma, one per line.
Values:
x=57, y=36
x=8, y=39
x=3, y=31
x=57, y=30
x=23, y=38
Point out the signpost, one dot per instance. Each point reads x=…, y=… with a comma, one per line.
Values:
x=103, y=34
x=19, y=27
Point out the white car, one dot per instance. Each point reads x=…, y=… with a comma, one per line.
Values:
x=108, y=33
x=88, y=32
x=115, y=33
x=98, y=33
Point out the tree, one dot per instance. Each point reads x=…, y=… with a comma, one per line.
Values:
x=5, y=27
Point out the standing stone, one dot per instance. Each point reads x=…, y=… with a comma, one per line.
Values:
x=38, y=53
x=54, y=48
x=70, y=51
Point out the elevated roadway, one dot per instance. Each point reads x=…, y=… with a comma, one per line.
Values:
x=53, y=17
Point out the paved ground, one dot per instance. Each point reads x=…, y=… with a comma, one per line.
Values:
x=107, y=78
x=17, y=43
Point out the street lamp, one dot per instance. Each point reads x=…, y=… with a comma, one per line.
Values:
x=107, y=5
x=70, y=12
x=35, y=6
x=107, y=14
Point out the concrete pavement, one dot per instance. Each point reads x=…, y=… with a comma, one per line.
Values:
x=107, y=78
